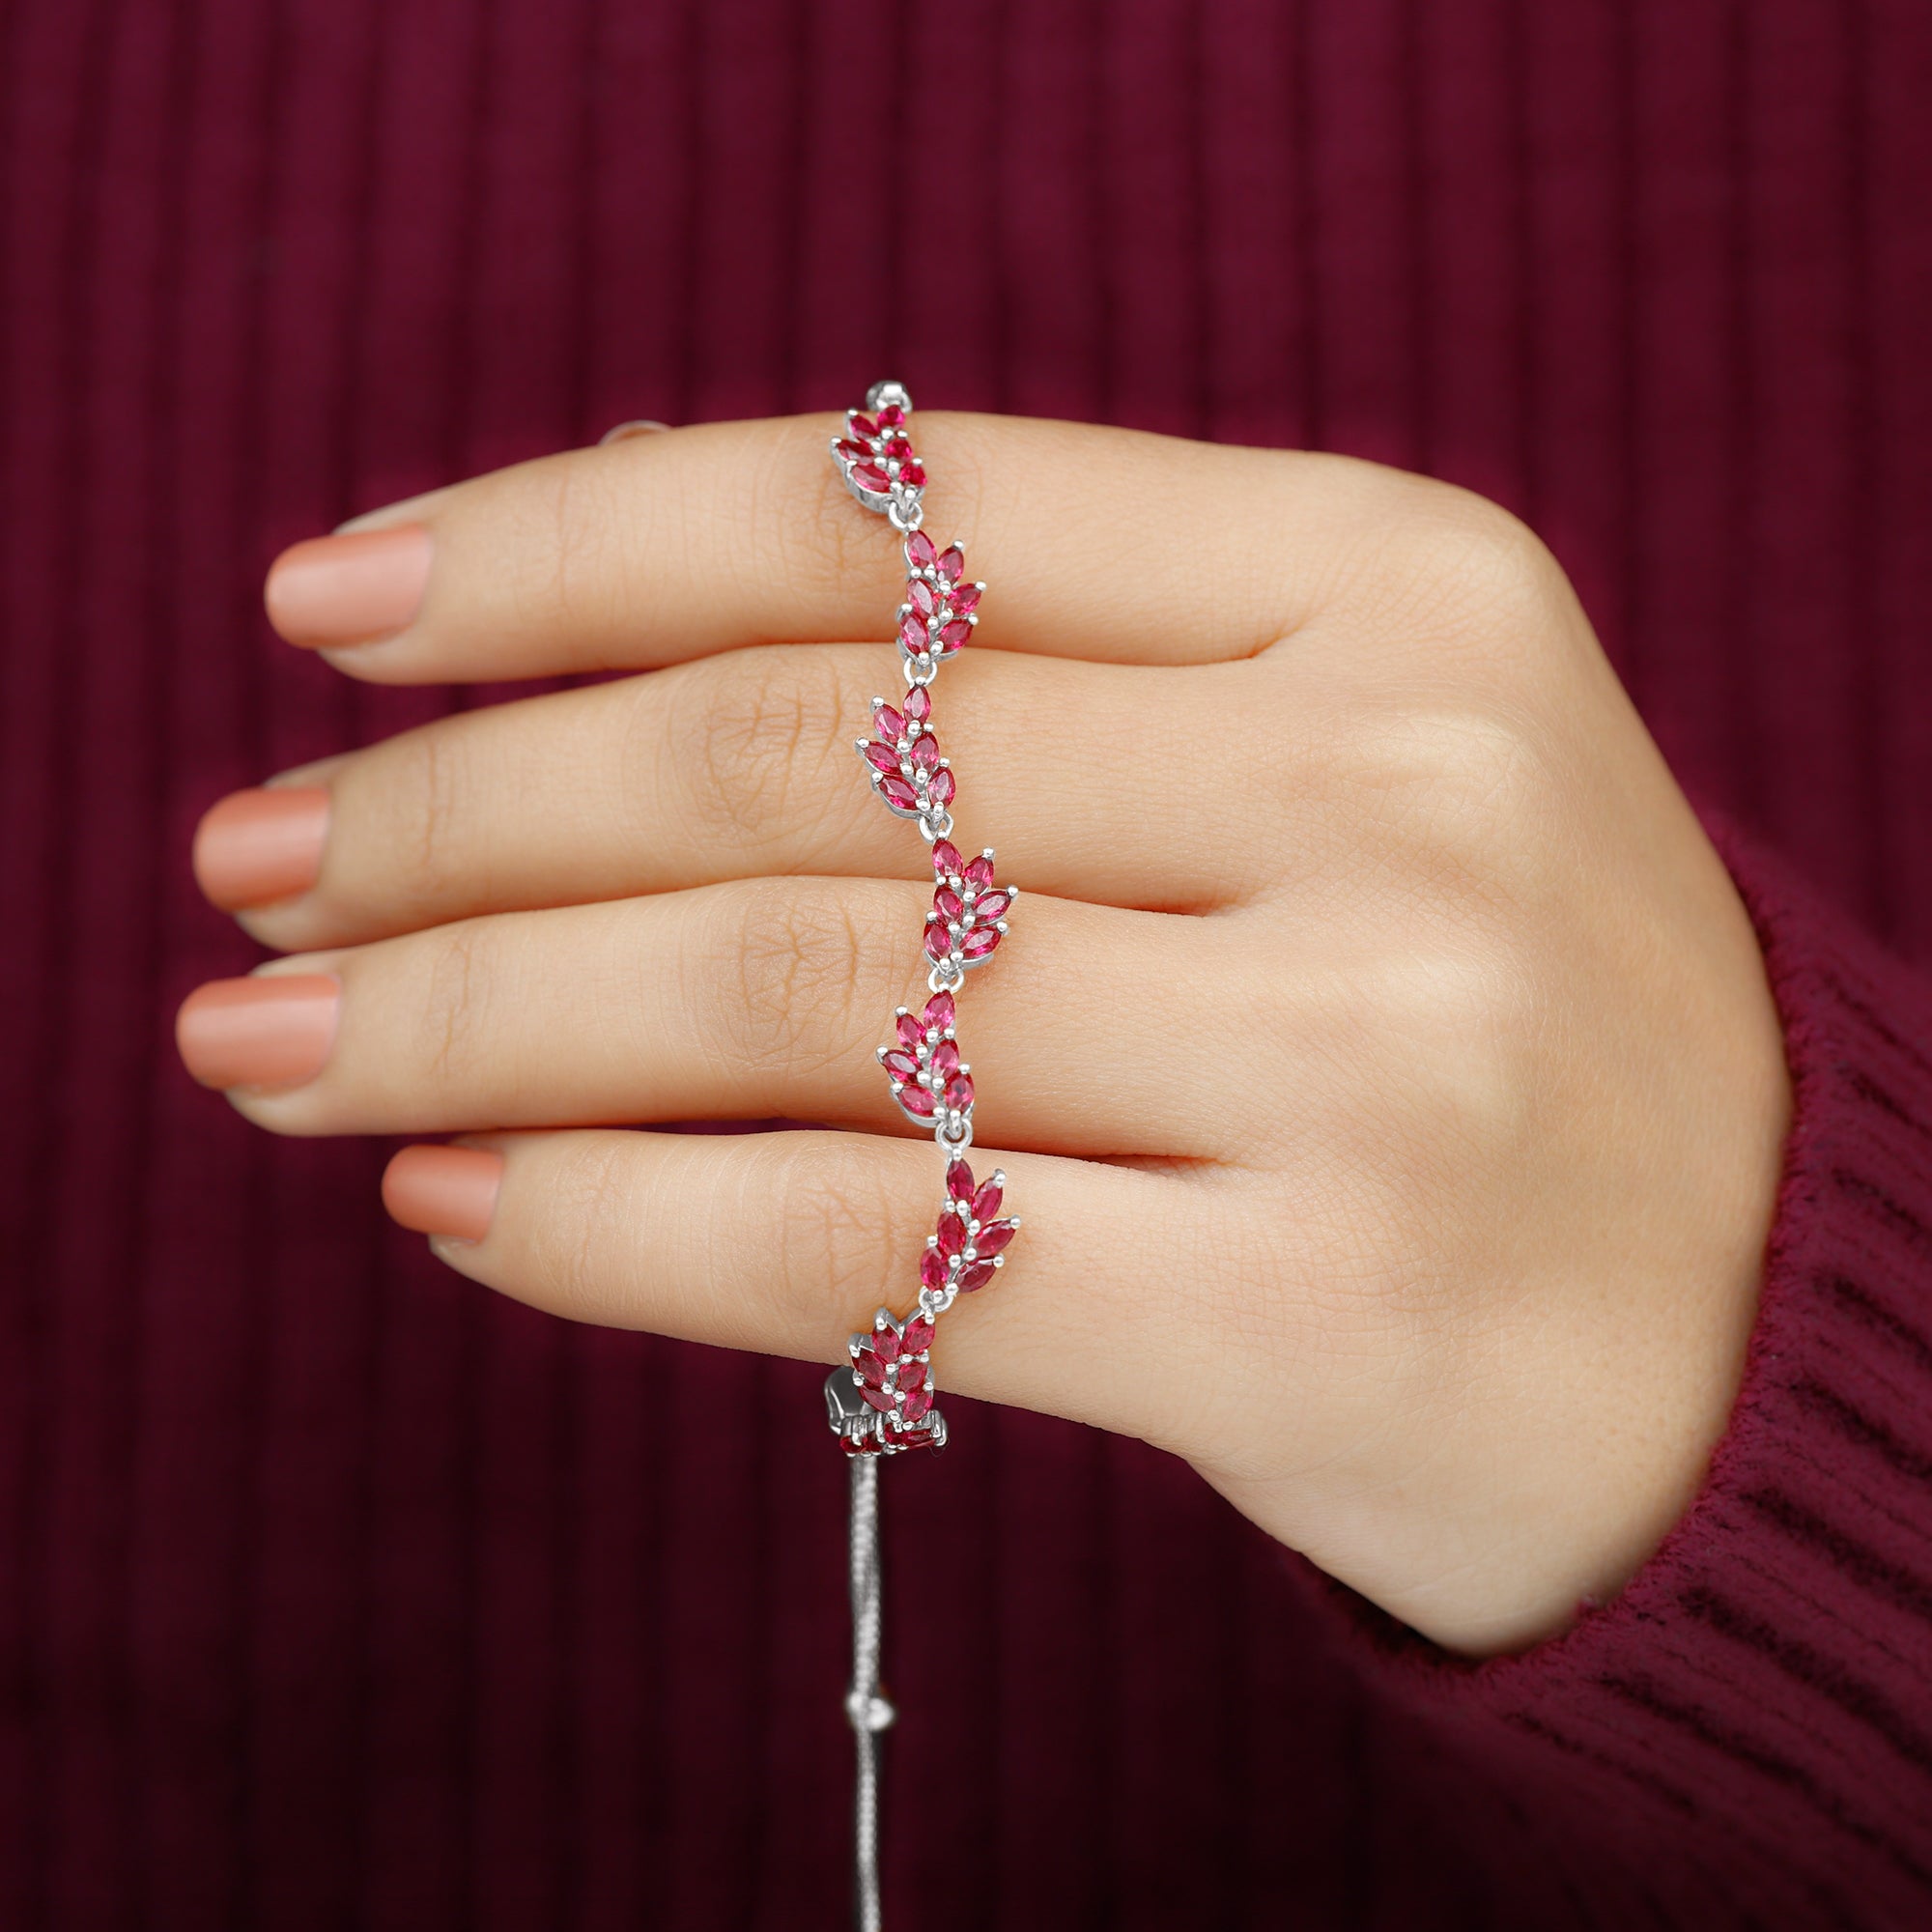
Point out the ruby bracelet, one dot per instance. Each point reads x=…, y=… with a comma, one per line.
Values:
x=883, y=1403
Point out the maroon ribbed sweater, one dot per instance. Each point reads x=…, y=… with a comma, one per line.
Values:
x=336, y=1594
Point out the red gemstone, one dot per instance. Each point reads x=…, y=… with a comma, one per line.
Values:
x=948, y=903
x=899, y=792
x=908, y=1029
x=951, y=1234
x=879, y=1399
x=863, y=425
x=900, y=1066
x=854, y=452
x=913, y=1377
x=932, y=1268
x=959, y=1093
x=940, y=1012
x=924, y=754
x=918, y=1404
x=992, y=906
x=966, y=597
x=897, y=447
x=920, y=550
x=892, y=416
x=912, y=632
x=994, y=1236
x=943, y=785
x=951, y=635
x=919, y=594
x=886, y=1343
x=871, y=1369
x=986, y=1202
x=945, y=858
x=979, y=942
x=938, y=943
x=918, y=1335
x=917, y=1101
x=912, y=472
x=976, y=1276
x=945, y=1057
x=958, y=1181
x=882, y=757
x=980, y=871
x=952, y=563
x=869, y=476
x=919, y=705
x=889, y=723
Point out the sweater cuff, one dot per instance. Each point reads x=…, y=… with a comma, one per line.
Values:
x=1764, y=1679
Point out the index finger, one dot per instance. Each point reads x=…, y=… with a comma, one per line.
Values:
x=1097, y=543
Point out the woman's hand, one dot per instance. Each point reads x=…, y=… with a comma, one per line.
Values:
x=1381, y=1060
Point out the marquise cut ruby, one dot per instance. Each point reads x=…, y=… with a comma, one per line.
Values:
x=918, y=1404
x=889, y=723
x=945, y=786
x=920, y=551
x=912, y=472
x=966, y=597
x=979, y=871
x=900, y=1066
x=959, y=1093
x=913, y=1375
x=938, y=943
x=886, y=1345
x=994, y=1236
x=899, y=792
x=951, y=1234
x=954, y=634
x=986, y=1202
x=992, y=905
x=909, y=1030
x=952, y=563
x=879, y=1399
x=946, y=903
x=912, y=632
x=919, y=594
x=892, y=416
x=862, y=426
x=882, y=757
x=932, y=1268
x=871, y=1369
x=945, y=1058
x=980, y=942
x=940, y=1012
x=854, y=452
x=917, y=1101
x=946, y=860
x=975, y=1276
x=919, y=1333
x=869, y=476
x=919, y=705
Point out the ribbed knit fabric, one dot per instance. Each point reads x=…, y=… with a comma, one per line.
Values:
x=336, y=1594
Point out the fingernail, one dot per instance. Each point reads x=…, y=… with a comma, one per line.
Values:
x=443, y=1191
x=264, y=1032
x=254, y=847
x=350, y=589
x=623, y=431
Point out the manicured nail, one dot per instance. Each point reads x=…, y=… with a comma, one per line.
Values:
x=623, y=431
x=443, y=1191
x=265, y=1031
x=350, y=589
x=254, y=847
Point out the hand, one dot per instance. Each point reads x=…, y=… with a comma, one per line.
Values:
x=1381, y=1060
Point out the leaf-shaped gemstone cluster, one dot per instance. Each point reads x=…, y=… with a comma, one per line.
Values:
x=928, y=1078
x=907, y=771
x=966, y=1252
x=941, y=608
x=875, y=453
x=968, y=917
x=892, y=1371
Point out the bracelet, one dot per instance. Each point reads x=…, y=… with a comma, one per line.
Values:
x=883, y=1403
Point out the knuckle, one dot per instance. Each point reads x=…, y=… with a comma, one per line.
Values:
x=455, y=1000
x=751, y=751
x=426, y=818
x=840, y=1217
x=590, y=1199
x=779, y=981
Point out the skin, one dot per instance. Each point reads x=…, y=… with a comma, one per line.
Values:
x=1382, y=1059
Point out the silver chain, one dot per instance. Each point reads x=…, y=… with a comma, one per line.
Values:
x=865, y=1706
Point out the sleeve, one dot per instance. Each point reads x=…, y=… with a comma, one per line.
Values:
x=1746, y=1733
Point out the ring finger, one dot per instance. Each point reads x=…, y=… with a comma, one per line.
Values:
x=752, y=1000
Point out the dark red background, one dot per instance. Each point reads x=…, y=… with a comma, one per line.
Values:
x=334, y=1593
